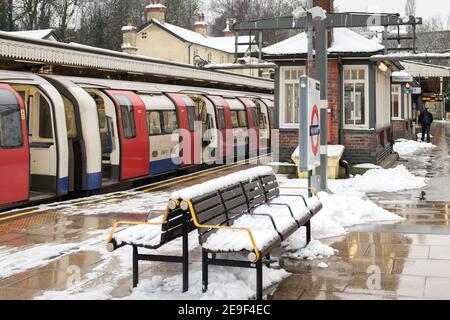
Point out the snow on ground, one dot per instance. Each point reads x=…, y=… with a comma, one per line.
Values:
x=136, y=202
x=408, y=147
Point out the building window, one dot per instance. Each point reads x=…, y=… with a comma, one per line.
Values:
x=396, y=101
x=289, y=116
x=383, y=100
x=355, y=96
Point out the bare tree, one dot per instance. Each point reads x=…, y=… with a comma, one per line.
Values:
x=410, y=10
x=65, y=10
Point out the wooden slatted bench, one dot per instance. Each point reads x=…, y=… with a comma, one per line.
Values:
x=175, y=223
x=245, y=214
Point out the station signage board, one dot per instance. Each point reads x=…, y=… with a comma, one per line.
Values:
x=309, y=104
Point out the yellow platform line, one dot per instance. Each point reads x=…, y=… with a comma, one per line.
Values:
x=159, y=186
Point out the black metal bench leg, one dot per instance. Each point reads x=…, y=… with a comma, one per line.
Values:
x=259, y=280
x=268, y=261
x=308, y=232
x=185, y=256
x=205, y=270
x=135, y=267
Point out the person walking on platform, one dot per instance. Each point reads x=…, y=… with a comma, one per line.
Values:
x=425, y=120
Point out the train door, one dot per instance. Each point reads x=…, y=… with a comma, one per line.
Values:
x=223, y=116
x=109, y=136
x=239, y=123
x=134, y=160
x=190, y=141
x=42, y=142
x=253, y=125
x=14, y=153
x=264, y=125
x=162, y=123
x=206, y=117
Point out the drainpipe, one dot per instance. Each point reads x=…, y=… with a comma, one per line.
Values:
x=189, y=53
x=341, y=100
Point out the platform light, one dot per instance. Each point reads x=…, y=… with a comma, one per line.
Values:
x=383, y=67
x=300, y=12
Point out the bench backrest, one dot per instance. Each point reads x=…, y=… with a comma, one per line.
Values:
x=173, y=228
x=221, y=207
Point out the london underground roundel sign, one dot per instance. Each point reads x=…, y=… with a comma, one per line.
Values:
x=309, y=130
x=314, y=130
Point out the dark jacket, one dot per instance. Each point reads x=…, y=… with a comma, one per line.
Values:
x=426, y=118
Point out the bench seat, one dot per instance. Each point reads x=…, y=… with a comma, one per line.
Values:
x=227, y=240
x=141, y=235
x=297, y=203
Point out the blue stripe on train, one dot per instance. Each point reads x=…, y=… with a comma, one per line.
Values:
x=162, y=166
x=94, y=181
x=63, y=186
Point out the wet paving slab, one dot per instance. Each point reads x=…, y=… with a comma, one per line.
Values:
x=407, y=260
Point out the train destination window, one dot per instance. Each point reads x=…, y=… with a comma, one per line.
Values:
x=191, y=118
x=127, y=112
x=154, y=123
x=221, y=119
x=234, y=119
x=10, y=121
x=243, y=119
x=170, y=122
x=45, y=119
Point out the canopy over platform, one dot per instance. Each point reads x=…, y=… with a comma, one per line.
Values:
x=433, y=79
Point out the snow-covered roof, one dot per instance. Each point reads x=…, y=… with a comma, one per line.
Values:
x=34, y=34
x=345, y=40
x=129, y=28
x=226, y=44
x=156, y=5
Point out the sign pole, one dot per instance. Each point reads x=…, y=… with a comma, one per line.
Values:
x=310, y=4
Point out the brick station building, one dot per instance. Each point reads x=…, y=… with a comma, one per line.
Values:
x=359, y=93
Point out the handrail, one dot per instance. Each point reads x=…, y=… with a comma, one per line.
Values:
x=198, y=225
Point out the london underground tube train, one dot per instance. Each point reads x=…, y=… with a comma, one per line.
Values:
x=60, y=134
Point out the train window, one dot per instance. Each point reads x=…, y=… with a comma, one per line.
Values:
x=191, y=118
x=10, y=121
x=221, y=119
x=170, y=122
x=45, y=119
x=243, y=119
x=70, y=118
x=234, y=119
x=262, y=121
x=154, y=123
x=127, y=113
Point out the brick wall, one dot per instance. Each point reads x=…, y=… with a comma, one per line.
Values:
x=402, y=129
x=367, y=147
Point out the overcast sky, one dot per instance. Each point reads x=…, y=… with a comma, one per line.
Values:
x=425, y=8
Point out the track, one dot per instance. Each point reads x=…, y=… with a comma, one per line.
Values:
x=40, y=209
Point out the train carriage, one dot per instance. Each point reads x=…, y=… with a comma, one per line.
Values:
x=85, y=134
x=41, y=159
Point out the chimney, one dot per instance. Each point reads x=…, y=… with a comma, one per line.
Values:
x=156, y=10
x=129, y=34
x=227, y=32
x=201, y=26
x=328, y=6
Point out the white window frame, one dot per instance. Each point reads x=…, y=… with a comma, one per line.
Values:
x=364, y=126
x=283, y=83
x=399, y=94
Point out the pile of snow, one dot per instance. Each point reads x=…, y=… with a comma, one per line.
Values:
x=408, y=147
x=314, y=250
x=222, y=182
x=387, y=180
